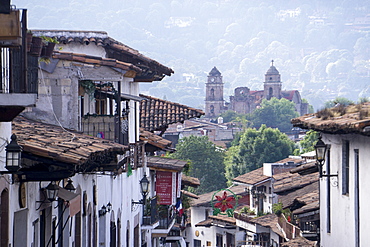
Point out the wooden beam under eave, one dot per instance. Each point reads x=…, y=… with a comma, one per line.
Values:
x=130, y=74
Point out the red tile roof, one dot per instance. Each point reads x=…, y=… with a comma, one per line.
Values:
x=253, y=177
x=155, y=140
x=165, y=164
x=153, y=70
x=156, y=114
x=338, y=120
x=61, y=145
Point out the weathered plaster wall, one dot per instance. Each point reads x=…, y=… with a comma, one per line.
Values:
x=343, y=231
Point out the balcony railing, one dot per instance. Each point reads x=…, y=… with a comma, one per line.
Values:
x=166, y=218
x=151, y=216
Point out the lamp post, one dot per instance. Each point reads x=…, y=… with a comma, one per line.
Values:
x=144, y=186
x=13, y=155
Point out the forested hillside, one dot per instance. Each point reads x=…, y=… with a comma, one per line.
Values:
x=320, y=48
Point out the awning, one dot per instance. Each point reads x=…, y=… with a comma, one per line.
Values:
x=73, y=200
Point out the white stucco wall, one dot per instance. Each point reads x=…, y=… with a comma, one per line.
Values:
x=343, y=231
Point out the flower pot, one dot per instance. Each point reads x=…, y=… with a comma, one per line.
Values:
x=29, y=41
x=47, y=50
x=36, y=47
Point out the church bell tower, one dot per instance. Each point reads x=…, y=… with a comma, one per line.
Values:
x=272, y=84
x=214, y=102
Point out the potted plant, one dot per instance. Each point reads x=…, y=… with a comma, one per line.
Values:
x=48, y=46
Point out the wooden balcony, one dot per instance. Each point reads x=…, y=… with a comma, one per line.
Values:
x=19, y=72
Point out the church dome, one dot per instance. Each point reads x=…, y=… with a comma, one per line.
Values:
x=272, y=70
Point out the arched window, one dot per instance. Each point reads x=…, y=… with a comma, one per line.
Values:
x=270, y=93
x=212, y=109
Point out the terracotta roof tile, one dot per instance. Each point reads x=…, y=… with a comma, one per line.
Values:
x=56, y=143
x=269, y=221
x=306, y=195
x=161, y=163
x=338, y=120
x=155, y=140
x=113, y=47
x=157, y=114
x=190, y=181
x=253, y=177
x=299, y=241
x=224, y=218
x=292, y=181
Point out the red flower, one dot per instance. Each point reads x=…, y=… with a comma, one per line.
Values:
x=224, y=202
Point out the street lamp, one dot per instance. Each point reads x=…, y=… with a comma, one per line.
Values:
x=13, y=155
x=52, y=191
x=320, y=149
x=69, y=186
x=144, y=187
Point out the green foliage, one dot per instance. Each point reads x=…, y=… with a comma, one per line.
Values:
x=49, y=40
x=278, y=209
x=247, y=210
x=363, y=100
x=338, y=100
x=89, y=87
x=206, y=162
x=308, y=143
x=229, y=116
x=275, y=113
x=254, y=148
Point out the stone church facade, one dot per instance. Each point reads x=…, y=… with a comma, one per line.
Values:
x=245, y=101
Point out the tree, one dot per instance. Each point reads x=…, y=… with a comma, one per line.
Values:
x=206, y=162
x=338, y=100
x=275, y=113
x=308, y=143
x=254, y=148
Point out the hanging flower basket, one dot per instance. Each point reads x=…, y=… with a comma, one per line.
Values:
x=36, y=47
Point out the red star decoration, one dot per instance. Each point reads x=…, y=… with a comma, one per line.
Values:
x=224, y=202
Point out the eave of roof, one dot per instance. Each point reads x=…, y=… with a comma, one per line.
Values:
x=165, y=164
x=95, y=60
x=101, y=38
x=155, y=140
x=253, y=177
x=66, y=146
x=190, y=181
x=338, y=120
